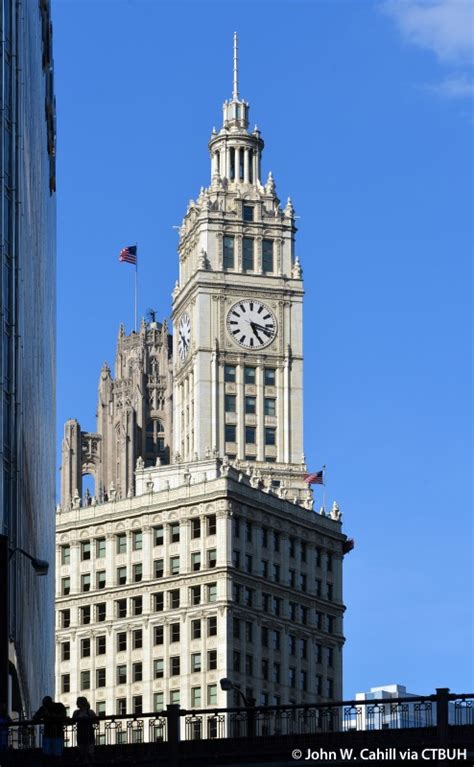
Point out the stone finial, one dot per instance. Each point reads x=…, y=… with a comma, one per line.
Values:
x=225, y=466
x=289, y=209
x=322, y=511
x=130, y=493
x=296, y=270
x=202, y=259
x=208, y=452
x=309, y=503
x=76, y=499
x=270, y=186
x=112, y=491
x=158, y=461
x=121, y=330
x=177, y=457
x=140, y=464
x=150, y=484
x=335, y=512
x=175, y=289
x=215, y=453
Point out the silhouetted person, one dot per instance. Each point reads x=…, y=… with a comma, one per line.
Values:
x=84, y=719
x=53, y=715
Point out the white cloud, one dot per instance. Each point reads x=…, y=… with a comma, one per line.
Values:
x=445, y=27
x=454, y=87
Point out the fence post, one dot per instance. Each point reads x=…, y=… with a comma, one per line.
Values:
x=173, y=734
x=442, y=714
x=251, y=718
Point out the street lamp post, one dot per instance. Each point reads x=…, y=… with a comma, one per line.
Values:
x=249, y=703
x=41, y=567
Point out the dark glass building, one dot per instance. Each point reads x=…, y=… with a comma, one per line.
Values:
x=27, y=350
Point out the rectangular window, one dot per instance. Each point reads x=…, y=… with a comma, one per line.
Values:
x=212, y=627
x=85, y=680
x=101, y=645
x=229, y=373
x=211, y=524
x=212, y=558
x=65, y=619
x=293, y=579
x=158, y=668
x=228, y=252
x=276, y=673
x=85, y=648
x=248, y=563
x=65, y=586
x=174, y=532
x=137, y=639
x=304, y=550
x=264, y=636
x=269, y=376
x=158, y=701
x=236, y=628
x=230, y=432
x=330, y=688
x=211, y=694
x=100, y=547
x=230, y=403
x=65, y=555
x=174, y=565
x=65, y=651
x=291, y=547
x=247, y=254
x=318, y=556
x=195, y=528
x=85, y=615
x=304, y=615
x=196, y=561
x=196, y=697
x=158, y=568
x=196, y=629
x=158, y=602
x=293, y=612
x=158, y=635
x=121, y=576
x=304, y=680
x=303, y=582
x=122, y=641
x=212, y=592
x=86, y=582
x=100, y=708
x=330, y=592
x=248, y=597
x=269, y=407
x=100, y=677
x=174, y=599
x=249, y=375
x=276, y=640
x=265, y=669
x=250, y=405
x=121, y=539
x=212, y=660
x=100, y=612
x=137, y=540
x=196, y=662
x=137, y=672
x=174, y=632
x=137, y=605
x=85, y=550
x=121, y=706
x=137, y=704
x=250, y=435
x=330, y=624
x=276, y=573
x=137, y=572
x=65, y=683
x=248, y=212
x=100, y=579
x=266, y=602
x=195, y=594
x=236, y=558
x=249, y=664
x=329, y=562
x=237, y=591
x=276, y=605
x=158, y=536
x=330, y=657
x=174, y=665
x=291, y=644
x=236, y=527
x=276, y=541
x=267, y=256
x=174, y=696
x=236, y=661
x=121, y=608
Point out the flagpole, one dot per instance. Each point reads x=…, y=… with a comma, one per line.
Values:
x=136, y=286
x=324, y=487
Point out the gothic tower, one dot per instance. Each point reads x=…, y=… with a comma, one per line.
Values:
x=237, y=313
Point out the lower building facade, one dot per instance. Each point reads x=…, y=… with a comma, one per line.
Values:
x=203, y=574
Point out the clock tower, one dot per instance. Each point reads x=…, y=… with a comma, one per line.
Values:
x=237, y=315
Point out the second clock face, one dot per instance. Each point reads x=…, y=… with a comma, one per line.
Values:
x=251, y=324
x=184, y=331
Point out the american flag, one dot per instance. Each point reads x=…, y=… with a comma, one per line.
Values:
x=129, y=255
x=316, y=478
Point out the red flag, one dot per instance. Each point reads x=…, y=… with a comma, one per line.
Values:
x=129, y=255
x=316, y=478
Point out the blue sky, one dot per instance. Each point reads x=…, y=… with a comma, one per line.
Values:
x=367, y=115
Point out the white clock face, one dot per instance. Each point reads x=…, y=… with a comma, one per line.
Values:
x=184, y=336
x=251, y=324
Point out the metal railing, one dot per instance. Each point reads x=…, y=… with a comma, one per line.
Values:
x=441, y=711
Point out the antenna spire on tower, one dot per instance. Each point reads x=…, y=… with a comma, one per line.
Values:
x=235, y=91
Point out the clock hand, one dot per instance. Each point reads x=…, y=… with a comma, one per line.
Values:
x=253, y=326
x=262, y=329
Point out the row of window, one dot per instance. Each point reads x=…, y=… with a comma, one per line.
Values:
x=250, y=405
x=248, y=254
x=273, y=571
x=250, y=375
x=137, y=539
x=85, y=615
x=251, y=435
x=137, y=572
x=273, y=539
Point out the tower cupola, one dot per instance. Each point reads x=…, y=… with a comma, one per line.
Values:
x=236, y=153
